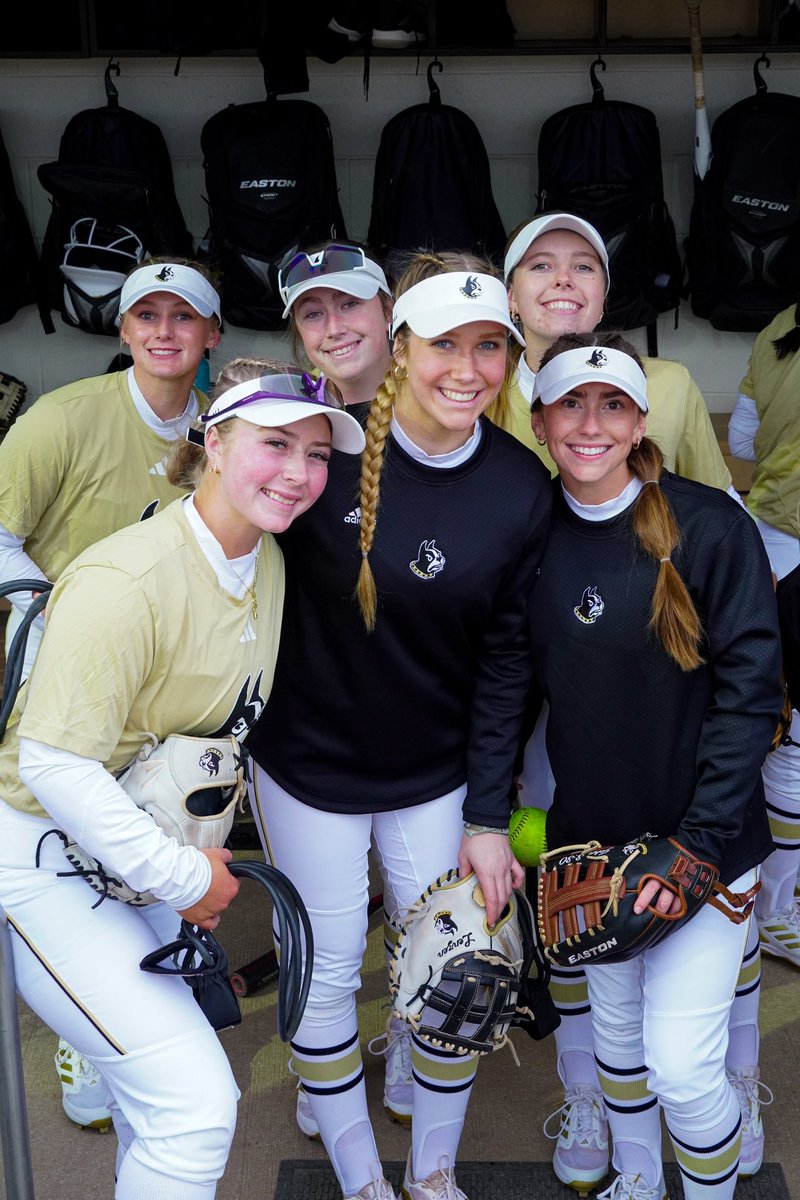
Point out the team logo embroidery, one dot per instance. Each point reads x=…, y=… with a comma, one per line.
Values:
x=598, y=358
x=165, y=274
x=591, y=606
x=443, y=922
x=210, y=761
x=245, y=711
x=471, y=289
x=429, y=561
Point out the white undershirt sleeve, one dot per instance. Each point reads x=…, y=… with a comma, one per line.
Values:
x=16, y=564
x=743, y=427
x=87, y=803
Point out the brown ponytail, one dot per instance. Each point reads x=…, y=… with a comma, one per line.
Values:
x=673, y=616
x=790, y=342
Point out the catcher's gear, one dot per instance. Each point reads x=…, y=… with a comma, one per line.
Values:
x=452, y=977
x=587, y=894
x=190, y=786
x=12, y=396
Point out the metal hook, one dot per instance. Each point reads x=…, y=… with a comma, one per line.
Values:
x=759, y=81
x=435, y=97
x=597, y=87
x=111, y=92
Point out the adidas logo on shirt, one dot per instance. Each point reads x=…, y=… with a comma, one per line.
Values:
x=159, y=469
x=354, y=517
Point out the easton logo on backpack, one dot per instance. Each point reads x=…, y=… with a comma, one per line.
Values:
x=743, y=252
x=271, y=184
x=602, y=161
x=113, y=203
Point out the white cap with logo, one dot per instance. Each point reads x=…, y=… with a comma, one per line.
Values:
x=590, y=364
x=546, y=224
x=451, y=299
x=176, y=278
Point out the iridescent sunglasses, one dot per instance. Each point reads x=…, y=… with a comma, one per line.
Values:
x=304, y=267
x=302, y=386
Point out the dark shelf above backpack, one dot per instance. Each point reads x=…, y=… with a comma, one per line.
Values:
x=96, y=29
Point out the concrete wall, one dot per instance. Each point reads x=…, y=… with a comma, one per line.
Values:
x=508, y=97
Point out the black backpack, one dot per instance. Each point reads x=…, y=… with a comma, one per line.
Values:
x=271, y=183
x=113, y=203
x=743, y=252
x=602, y=161
x=432, y=187
x=19, y=261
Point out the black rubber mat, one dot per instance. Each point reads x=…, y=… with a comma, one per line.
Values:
x=306, y=1179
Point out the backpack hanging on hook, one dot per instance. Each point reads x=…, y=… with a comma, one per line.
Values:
x=743, y=251
x=602, y=161
x=113, y=202
x=432, y=186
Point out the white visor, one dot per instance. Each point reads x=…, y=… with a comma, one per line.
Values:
x=363, y=282
x=591, y=364
x=175, y=278
x=282, y=399
x=452, y=299
x=546, y=224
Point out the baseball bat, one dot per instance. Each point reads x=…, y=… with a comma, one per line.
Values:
x=702, y=133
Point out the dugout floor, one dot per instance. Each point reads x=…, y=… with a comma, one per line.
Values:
x=272, y=1160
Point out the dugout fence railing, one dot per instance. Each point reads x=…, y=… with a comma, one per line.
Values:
x=14, y=1131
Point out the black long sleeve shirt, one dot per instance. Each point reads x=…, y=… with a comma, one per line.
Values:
x=636, y=744
x=365, y=722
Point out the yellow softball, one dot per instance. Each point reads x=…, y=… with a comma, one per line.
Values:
x=527, y=835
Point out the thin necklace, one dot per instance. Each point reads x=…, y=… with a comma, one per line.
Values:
x=251, y=588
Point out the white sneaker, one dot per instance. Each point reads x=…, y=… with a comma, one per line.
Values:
x=398, y=1088
x=580, y=1159
x=633, y=1187
x=304, y=1116
x=752, y=1094
x=779, y=934
x=441, y=1185
x=84, y=1093
x=379, y=1189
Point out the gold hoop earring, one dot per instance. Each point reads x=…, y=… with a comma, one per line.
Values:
x=396, y=371
x=636, y=445
x=541, y=440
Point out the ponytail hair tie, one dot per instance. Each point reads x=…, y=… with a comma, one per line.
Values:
x=667, y=559
x=656, y=481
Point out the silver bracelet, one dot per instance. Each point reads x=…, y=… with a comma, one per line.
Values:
x=470, y=829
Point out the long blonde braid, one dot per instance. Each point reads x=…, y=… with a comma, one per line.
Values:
x=378, y=424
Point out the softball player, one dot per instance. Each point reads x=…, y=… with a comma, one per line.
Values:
x=664, y=693
x=339, y=307
x=395, y=718
x=557, y=272
x=763, y=429
x=88, y=459
x=122, y=655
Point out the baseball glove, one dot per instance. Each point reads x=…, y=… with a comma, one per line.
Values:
x=454, y=979
x=190, y=786
x=587, y=893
